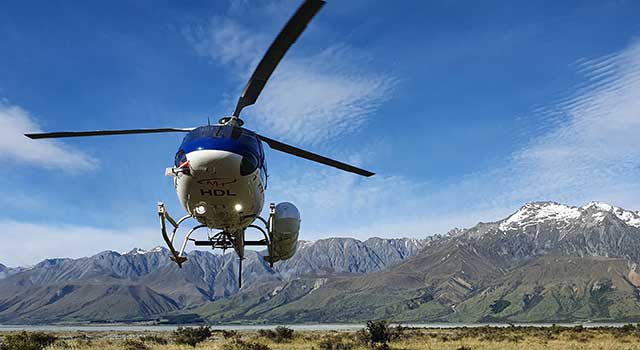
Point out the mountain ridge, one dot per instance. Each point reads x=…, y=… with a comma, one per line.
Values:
x=440, y=283
x=206, y=276
x=589, y=255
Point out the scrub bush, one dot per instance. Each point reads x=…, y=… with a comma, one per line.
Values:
x=27, y=341
x=191, y=336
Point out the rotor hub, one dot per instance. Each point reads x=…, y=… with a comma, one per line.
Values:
x=231, y=121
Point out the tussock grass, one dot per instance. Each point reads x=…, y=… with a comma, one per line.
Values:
x=472, y=338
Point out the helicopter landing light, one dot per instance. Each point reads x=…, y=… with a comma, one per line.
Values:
x=201, y=210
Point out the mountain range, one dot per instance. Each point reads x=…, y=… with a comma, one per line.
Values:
x=547, y=262
x=139, y=284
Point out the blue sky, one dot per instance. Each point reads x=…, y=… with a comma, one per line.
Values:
x=465, y=110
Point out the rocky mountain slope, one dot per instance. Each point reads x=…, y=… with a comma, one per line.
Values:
x=545, y=262
x=8, y=271
x=140, y=284
x=4, y=271
x=559, y=289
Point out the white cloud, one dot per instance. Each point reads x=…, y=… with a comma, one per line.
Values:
x=14, y=123
x=310, y=98
x=27, y=243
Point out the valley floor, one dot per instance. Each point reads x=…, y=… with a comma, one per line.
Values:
x=489, y=338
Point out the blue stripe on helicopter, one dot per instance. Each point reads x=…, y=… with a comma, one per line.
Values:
x=244, y=146
x=221, y=144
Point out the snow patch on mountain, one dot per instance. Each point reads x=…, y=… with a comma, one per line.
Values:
x=305, y=244
x=539, y=212
x=629, y=217
x=599, y=217
x=134, y=251
x=140, y=251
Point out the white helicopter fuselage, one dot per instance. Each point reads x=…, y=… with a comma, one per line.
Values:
x=220, y=176
x=215, y=192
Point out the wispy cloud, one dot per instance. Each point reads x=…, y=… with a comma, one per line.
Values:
x=592, y=150
x=14, y=146
x=311, y=97
x=587, y=149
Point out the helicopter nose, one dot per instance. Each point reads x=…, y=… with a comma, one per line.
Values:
x=214, y=162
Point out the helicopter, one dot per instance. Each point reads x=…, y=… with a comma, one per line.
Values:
x=220, y=170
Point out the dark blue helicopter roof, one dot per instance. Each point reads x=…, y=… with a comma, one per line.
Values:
x=225, y=138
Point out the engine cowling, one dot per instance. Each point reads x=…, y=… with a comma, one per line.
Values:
x=286, y=226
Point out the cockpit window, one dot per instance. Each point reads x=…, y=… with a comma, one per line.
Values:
x=248, y=165
x=181, y=157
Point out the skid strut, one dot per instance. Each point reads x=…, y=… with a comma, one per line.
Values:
x=176, y=256
x=221, y=240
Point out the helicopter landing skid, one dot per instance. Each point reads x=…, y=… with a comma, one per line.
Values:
x=176, y=256
x=221, y=240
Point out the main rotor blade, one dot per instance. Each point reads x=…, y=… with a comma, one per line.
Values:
x=59, y=134
x=276, y=51
x=277, y=145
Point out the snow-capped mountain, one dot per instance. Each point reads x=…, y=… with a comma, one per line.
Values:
x=539, y=228
x=541, y=212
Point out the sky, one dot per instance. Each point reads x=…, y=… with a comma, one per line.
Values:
x=465, y=110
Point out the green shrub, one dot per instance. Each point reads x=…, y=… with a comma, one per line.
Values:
x=154, y=339
x=27, y=341
x=378, y=334
x=280, y=334
x=135, y=344
x=191, y=336
x=230, y=334
x=283, y=334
